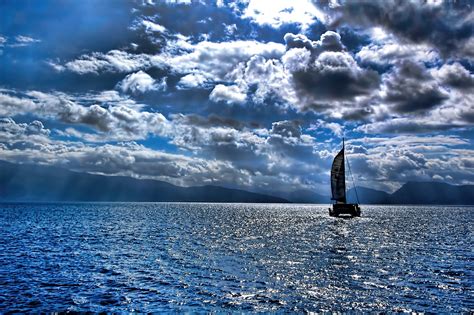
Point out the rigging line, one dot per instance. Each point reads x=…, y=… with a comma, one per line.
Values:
x=353, y=181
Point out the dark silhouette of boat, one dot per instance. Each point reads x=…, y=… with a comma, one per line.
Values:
x=338, y=188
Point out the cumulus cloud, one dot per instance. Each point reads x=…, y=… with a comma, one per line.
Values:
x=12, y=105
x=141, y=82
x=333, y=76
x=266, y=77
x=445, y=25
x=12, y=130
x=219, y=59
x=297, y=59
x=321, y=75
x=265, y=152
x=329, y=41
x=122, y=121
x=204, y=61
x=192, y=80
x=308, y=75
x=228, y=93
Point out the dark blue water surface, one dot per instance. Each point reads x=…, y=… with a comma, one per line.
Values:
x=234, y=257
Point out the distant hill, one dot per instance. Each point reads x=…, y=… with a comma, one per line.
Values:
x=368, y=196
x=433, y=193
x=44, y=183
x=409, y=193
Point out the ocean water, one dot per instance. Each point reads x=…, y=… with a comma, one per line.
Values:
x=154, y=257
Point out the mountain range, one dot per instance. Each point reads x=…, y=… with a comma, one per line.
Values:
x=410, y=193
x=21, y=182
x=24, y=182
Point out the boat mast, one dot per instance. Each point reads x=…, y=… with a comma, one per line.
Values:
x=343, y=165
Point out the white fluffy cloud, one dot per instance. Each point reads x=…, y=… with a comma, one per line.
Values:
x=387, y=163
x=14, y=131
x=213, y=59
x=192, y=80
x=219, y=59
x=141, y=82
x=282, y=12
x=119, y=121
x=229, y=94
x=390, y=52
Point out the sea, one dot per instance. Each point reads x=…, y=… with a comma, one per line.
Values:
x=205, y=257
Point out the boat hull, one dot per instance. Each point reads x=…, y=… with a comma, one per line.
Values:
x=338, y=209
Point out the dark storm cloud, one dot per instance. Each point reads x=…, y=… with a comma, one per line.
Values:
x=324, y=71
x=335, y=76
x=353, y=39
x=411, y=88
x=455, y=75
x=447, y=25
x=359, y=114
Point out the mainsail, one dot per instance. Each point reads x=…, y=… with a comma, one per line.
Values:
x=338, y=178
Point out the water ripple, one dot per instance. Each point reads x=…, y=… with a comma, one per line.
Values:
x=241, y=257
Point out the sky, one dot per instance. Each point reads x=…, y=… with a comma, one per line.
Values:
x=242, y=94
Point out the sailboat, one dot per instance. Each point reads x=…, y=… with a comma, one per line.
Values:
x=338, y=188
